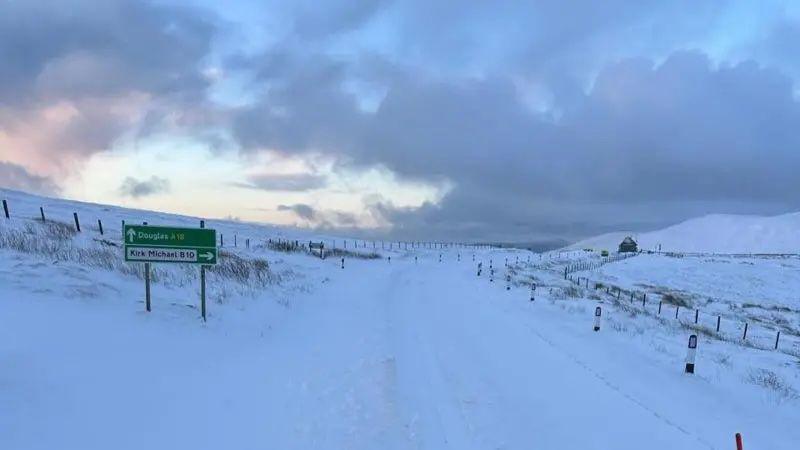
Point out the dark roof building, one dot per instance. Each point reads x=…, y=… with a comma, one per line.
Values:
x=628, y=245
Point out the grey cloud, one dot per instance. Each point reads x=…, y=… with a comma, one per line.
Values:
x=313, y=20
x=285, y=182
x=131, y=187
x=17, y=177
x=323, y=220
x=107, y=62
x=302, y=211
x=683, y=131
x=100, y=48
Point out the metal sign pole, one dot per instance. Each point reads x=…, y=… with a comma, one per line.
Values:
x=203, y=292
x=147, y=286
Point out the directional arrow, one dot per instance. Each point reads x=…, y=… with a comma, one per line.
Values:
x=207, y=256
x=131, y=235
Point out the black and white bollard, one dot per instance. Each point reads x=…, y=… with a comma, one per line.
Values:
x=691, y=353
x=480, y=266
x=342, y=263
x=533, y=291
x=491, y=275
x=508, y=282
x=597, y=313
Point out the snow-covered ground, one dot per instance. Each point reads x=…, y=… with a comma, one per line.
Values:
x=299, y=353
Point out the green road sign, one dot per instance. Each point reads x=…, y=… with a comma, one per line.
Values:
x=170, y=245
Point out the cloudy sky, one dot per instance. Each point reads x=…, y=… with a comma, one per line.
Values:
x=526, y=120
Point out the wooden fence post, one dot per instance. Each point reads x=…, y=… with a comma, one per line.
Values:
x=718, y=320
x=100, y=225
x=41, y=211
x=5, y=209
x=77, y=222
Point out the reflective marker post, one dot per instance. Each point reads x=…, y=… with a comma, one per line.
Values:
x=533, y=291
x=597, y=313
x=691, y=353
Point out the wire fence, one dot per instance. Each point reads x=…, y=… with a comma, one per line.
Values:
x=750, y=333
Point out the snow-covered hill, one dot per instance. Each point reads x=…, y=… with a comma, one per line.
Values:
x=413, y=351
x=716, y=233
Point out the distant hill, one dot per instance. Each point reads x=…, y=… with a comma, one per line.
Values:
x=715, y=233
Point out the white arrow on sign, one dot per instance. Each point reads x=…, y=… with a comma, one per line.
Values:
x=207, y=255
x=131, y=234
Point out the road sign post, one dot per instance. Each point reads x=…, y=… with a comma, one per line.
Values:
x=151, y=244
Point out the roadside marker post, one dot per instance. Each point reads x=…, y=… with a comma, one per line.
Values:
x=155, y=244
x=691, y=353
x=342, y=262
x=597, y=313
x=533, y=291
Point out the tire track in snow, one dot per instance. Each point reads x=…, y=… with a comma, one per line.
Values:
x=619, y=390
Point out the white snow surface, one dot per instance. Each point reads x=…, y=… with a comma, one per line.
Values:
x=410, y=353
x=716, y=233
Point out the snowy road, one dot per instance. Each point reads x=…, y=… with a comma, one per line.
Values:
x=382, y=356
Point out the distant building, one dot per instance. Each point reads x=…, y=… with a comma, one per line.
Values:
x=628, y=245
